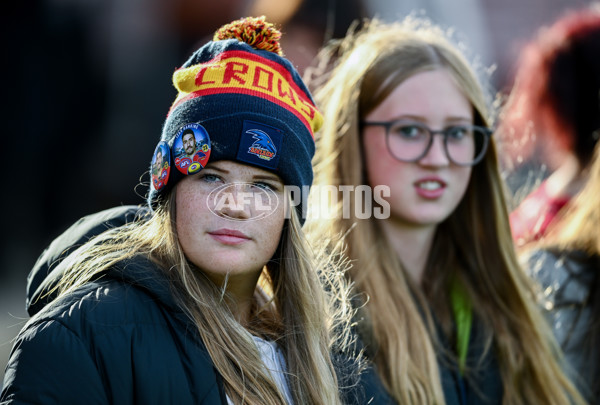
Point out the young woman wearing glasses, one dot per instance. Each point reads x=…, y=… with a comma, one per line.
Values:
x=447, y=315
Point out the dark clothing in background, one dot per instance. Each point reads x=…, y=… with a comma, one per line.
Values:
x=481, y=385
x=569, y=280
x=483, y=382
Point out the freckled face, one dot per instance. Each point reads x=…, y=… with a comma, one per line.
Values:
x=230, y=235
x=426, y=192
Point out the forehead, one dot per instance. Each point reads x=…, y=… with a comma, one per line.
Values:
x=426, y=93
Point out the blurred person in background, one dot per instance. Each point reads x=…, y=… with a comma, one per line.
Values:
x=567, y=265
x=557, y=98
x=553, y=115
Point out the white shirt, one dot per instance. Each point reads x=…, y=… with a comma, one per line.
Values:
x=274, y=362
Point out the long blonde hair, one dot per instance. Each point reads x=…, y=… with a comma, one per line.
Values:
x=473, y=246
x=299, y=303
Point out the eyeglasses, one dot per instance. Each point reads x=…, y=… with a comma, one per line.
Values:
x=408, y=141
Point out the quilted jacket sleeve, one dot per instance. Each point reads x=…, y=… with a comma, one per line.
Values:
x=50, y=365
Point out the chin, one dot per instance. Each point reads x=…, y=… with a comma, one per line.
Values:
x=427, y=220
x=434, y=219
x=230, y=268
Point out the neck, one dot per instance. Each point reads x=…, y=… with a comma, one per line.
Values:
x=412, y=245
x=241, y=289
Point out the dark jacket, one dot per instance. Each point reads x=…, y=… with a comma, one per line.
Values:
x=119, y=339
x=483, y=384
x=570, y=279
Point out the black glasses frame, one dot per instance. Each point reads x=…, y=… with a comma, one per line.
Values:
x=388, y=124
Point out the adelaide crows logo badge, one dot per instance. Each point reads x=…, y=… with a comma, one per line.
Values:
x=263, y=146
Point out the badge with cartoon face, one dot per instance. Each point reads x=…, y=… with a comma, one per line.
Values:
x=160, y=166
x=191, y=149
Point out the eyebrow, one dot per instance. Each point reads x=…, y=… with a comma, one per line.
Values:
x=455, y=119
x=216, y=168
x=423, y=119
x=409, y=117
x=270, y=177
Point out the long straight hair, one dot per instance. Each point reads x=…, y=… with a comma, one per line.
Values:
x=299, y=303
x=473, y=246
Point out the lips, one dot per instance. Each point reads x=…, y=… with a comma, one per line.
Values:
x=430, y=188
x=229, y=236
x=429, y=185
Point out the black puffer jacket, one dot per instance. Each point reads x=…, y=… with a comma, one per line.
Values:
x=119, y=339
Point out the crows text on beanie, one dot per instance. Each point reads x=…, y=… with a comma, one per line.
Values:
x=239, y=99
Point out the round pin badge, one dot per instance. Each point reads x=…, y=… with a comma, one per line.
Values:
x=191, y=148
x=160, y=166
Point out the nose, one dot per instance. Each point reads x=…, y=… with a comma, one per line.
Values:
x=234, y=202
x=436, y=155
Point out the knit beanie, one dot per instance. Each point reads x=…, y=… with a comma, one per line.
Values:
x=238, y=99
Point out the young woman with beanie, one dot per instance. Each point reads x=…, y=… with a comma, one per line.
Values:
x=211, y=294
x=447, y=315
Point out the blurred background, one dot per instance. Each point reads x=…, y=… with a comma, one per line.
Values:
x=87, y=87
